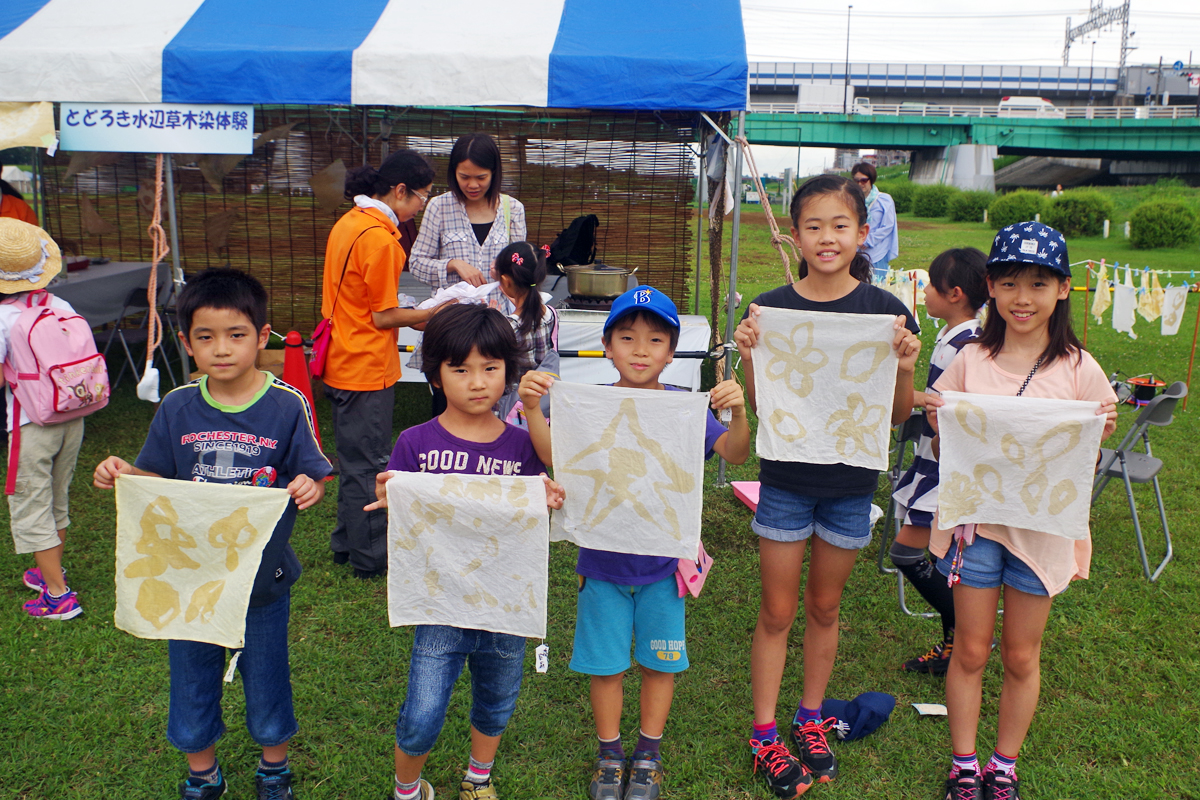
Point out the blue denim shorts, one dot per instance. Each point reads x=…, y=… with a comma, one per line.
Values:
x=987, y=564
x=496, y=661
x=194, y=719
x=611, y=618
x=784, y=516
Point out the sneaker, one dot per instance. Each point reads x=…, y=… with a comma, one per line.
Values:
x=785, y=776
x=477, y=791
x=44, y=607
x=964, y=786
x=645, y=777
x=1000, y=786
x=935, y=662
x=275, y=786
x=813, y=749
x=608, y=780
x=203, y=791
x=33, y=579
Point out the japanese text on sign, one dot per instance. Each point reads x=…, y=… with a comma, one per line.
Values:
x=161, y=128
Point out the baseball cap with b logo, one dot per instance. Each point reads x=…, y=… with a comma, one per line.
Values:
x=643, y=298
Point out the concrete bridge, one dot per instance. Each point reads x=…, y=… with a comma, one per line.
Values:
x=779, y=82
x=956, y=144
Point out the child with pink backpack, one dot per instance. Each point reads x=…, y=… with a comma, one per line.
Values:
x=54, y=377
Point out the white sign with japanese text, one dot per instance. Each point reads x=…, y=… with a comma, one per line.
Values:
x=158, y=128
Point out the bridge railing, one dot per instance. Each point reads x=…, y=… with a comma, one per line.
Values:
x=932, y=110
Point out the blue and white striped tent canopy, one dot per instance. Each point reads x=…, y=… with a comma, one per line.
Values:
x=620, y=54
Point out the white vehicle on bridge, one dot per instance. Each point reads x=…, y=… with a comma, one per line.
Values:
x=1029, y=107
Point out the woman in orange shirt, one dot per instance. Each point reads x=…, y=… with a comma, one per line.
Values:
x=363, y=261
x=12, y=204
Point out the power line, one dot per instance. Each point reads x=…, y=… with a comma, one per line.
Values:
x=907, y=14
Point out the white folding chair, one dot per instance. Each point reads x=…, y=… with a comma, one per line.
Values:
x=907, y=434
x=1132, y=466
x=136, y=307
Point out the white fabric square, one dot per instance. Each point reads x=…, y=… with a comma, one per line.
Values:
x=824, y=385
x=469, y=551
x=632, y=464
x=1174, y=302
x=187, y=554
x=1124, y=303
x=1025, y=462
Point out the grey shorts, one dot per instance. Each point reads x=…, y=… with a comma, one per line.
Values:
x=39, y=509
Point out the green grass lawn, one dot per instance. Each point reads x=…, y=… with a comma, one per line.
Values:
x=86, y=705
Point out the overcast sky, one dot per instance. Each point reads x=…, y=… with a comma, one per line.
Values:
x=956, y=32
x=949, y=32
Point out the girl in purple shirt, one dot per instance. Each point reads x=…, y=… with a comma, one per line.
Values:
x=471, y=353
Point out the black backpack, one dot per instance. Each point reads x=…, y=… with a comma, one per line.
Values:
x=576, y=244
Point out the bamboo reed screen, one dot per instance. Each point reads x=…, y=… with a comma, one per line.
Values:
x=633, y=170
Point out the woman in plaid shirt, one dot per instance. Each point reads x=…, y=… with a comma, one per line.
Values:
x=464, y=229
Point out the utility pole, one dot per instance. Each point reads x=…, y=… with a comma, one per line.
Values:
x=1098, y=17
x=1158, y=82
x=1091, y=74
x=846, y=84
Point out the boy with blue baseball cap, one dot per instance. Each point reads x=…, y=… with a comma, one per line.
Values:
x=626, y=599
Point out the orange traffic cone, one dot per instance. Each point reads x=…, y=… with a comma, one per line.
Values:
x=295, y=372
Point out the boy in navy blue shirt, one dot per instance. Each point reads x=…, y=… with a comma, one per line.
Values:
x=236, y=425
x=626, y=599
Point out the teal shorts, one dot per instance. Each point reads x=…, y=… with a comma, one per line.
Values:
x=611, y=618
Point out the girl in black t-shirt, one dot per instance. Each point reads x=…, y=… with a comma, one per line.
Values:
x=829, y=221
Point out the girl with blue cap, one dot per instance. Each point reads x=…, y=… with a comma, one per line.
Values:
x=1026, y=348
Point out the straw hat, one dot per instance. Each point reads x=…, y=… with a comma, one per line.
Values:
x=29, y=258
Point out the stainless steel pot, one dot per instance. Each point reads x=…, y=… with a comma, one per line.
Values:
x=597, y=280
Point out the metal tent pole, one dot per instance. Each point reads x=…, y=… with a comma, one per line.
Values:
x=36, y=204
x=700, y=177
x=176, y=269
x=731, y=298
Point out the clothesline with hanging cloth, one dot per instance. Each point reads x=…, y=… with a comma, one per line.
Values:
x=1093, y=270
x=778, y=238
x=1151, y=301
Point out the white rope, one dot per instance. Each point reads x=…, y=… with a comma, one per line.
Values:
x=778, y=239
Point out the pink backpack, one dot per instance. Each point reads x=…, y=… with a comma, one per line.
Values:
x=53, y=368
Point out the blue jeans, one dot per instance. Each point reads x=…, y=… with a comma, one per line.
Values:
x=784, y=516
x=496, y=661
x=194, y=720
x=987, y=564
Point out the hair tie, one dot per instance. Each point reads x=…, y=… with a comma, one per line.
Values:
x=533, y=286
x=546, y=249
x=516, y=259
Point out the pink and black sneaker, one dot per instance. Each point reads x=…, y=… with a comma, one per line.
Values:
x=964, y=786
x=1000, y=786
x=813, y=748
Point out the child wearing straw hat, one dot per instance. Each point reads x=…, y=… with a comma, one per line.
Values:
x=29, y=259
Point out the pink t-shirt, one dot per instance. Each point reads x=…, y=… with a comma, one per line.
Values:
x=1054, y=559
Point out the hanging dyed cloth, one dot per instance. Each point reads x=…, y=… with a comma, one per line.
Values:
x=1157, y=295
x=1124, y=302
x=1145, y=303
x=1102, y=300
x=1173, y=304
